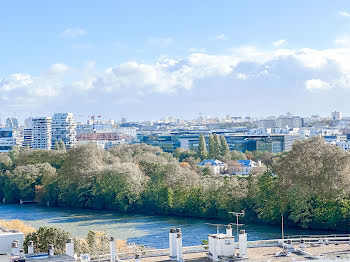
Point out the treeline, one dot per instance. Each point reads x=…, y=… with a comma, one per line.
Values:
x=309, y=185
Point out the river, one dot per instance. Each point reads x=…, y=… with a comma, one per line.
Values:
x=141, y=229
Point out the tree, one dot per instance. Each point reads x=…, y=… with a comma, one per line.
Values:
x=225, y=150
x=57, y=147
x=236, y=155
x=62, y=146
x=46, y=236
x=314, y=166
x=202, y=148
x=217, y=144
x=212, y=152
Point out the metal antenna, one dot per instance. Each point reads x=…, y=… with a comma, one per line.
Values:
x=217, y=226
x=238, y=214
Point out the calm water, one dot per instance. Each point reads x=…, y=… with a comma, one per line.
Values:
x=141, y=229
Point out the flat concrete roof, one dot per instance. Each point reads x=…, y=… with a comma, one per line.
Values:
x=331, y=251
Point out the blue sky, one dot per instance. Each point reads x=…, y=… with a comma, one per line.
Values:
x=148, y=59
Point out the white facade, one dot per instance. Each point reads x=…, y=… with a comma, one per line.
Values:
x=243, y=167
x=64, y=128
x=6, y=239
x=336, y=115
x=215, y=165
x=42, y=132
x=8, y=139
x=27, y=137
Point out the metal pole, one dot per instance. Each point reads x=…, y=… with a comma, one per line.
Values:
x=282, y=234
x=237, y=226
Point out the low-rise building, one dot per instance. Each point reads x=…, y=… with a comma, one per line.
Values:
x=243, y=167
x=8, y=139
x=215, y=165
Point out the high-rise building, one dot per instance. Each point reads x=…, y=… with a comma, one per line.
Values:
x=336, y=115
x=64, y=128
x=42, y=132
x=27, y=137
x=12, y=122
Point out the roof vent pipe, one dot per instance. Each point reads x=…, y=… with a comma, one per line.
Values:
x=51, y=251
x=229, y=231
x=172, y=244
x=70, y=247
x=112, y=249
x=30, y=247
x=243, y=244
x=179, y=247
x=14, y=248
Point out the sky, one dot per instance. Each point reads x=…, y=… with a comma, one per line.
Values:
x=144, y=60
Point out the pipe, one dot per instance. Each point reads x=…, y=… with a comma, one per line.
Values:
x=51, y=251
x=30, y=247
x=112, y=249
x=70, y=247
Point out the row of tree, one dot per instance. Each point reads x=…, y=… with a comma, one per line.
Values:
x=308, y=185
x=217, y=147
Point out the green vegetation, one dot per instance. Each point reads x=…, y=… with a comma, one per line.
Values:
x=308, y=185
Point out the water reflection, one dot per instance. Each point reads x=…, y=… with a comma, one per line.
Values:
x=141, y=229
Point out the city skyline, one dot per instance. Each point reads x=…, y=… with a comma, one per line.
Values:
x=144, y=61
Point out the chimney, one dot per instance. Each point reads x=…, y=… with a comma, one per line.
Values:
x=70, y=247
x=137, y=258
x=243, y=244
x=21, y=253
x=14, y=250
x=172, y=244
x=51, y=251
x=112, y=248
x=30, y=247
x=229, y=231
x=179, y=247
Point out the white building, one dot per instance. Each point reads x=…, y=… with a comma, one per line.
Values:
x=243, y=167
x=27, y=137
x=336, y=115
x=64, y=128
x=216, y=165
x=42, y=132
x=8, y=139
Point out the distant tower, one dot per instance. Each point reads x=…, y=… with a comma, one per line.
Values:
x=336, y=115
x=12, y=122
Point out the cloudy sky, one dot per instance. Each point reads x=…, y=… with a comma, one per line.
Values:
x=148, y=59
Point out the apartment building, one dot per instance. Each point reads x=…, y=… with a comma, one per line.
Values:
x=42, y=128
x=64, y=128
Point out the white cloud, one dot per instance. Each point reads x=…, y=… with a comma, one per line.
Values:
x=159, y=41
x=58, y=68
x=317, y=84
x=73, y=33
x=344, y=14
x=280, y=42
x=342, y=41
x=197, y=50
x=221, y=37
x=309, y=69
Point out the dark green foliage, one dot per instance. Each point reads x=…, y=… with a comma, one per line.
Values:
x=309, y=186
x=202, y=148
x=224, y=146
x=46, y=236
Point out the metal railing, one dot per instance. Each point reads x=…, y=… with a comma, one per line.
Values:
x=307, y=239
